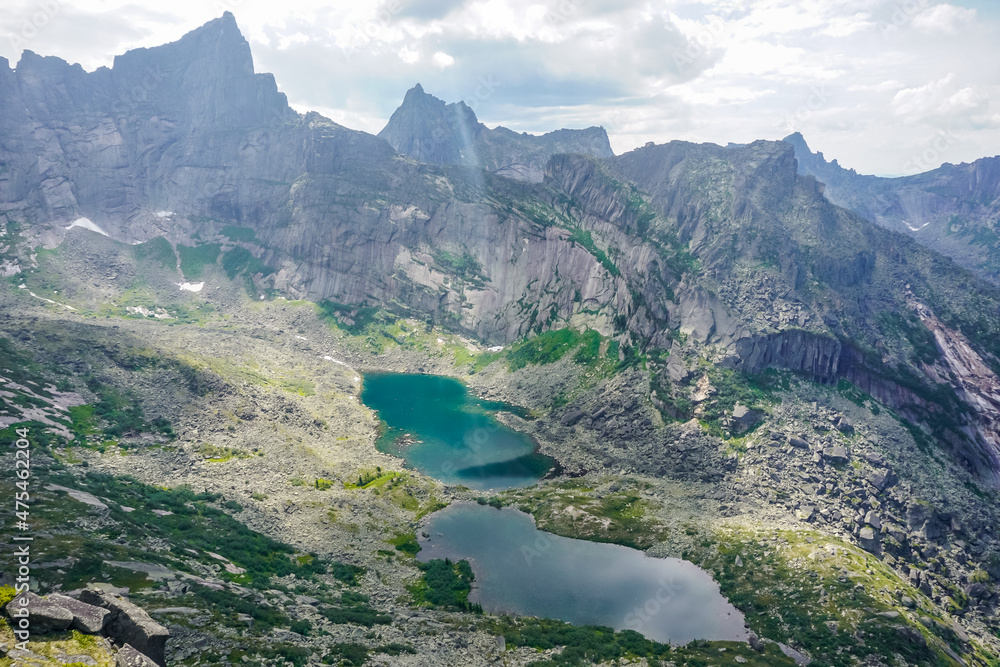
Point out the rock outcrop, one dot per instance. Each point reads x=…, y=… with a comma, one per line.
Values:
x=130, y=624
x=44, y=615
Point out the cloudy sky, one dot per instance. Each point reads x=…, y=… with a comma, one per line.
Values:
x=886, y=86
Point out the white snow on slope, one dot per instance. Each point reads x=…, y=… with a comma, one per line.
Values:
x=87, y=224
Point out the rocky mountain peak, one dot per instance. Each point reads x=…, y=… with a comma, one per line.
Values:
x=429, y=130
x=219, y=40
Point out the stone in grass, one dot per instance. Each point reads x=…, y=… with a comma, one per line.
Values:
x=86, y=617
x=130, y=624
x=45, y=616
x=129, y=657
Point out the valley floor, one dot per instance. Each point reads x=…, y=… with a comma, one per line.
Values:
x=209, y=446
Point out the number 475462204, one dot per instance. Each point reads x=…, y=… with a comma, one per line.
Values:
x=22, y=466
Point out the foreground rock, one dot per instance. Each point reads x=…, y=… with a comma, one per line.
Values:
x=129, y=657
x=45, y=616
x=86, y=617
x=129, y=624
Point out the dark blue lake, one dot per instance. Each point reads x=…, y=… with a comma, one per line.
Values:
x=439, y=428
x=522, y=570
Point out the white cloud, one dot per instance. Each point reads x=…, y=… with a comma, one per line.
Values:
x=442, y=60
x=943, y=18
x=941, y=98
x=700, y=70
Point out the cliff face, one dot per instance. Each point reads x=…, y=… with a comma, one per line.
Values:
x=428, y=130
x=953, y=209
x=729, y=249
x=117, y=145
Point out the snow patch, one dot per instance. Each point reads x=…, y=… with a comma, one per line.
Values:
x=336, y=361
x=495, y=348
x=191, y=287
x=87, y=224
x=915, y=229
x=164, y=214
x=54, y=303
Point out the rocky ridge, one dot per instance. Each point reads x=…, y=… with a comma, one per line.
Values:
x=951, y=209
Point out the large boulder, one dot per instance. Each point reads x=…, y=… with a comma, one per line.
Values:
x=129, y=624
x=868, y=540
x=45, y=616
x=744, y=418
x=572, y=417
x=86, y=617
x=798, y=442
x=917, y=514
x=129, y=657
x=837, y=454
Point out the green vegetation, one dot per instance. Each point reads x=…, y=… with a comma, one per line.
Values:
x=908, y=327
x=569, y=509
x=7, y=593
x=352, y=319
x=156, y=251
x=465, y=266
x=586, y=239
x=353, y=608
x=368, y=479
x=590, y=348
x=406, y=543
x=354, y=655
x=219, y=454
x=445, y=584
x=226, y=606
x=194, y=259
x=817, y=592
x=241, y=234
x=753, y=391
x=551, y=346
x=115, y=415
x=545, y=348
x=240, y=261
x=859, y=397
x=346, y=573
x=591, y=644
x=193, y=523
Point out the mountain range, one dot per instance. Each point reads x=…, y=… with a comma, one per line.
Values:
x=746, y=299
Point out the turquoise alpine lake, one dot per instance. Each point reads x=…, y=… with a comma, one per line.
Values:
x=524, y=571
x=435, y=425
